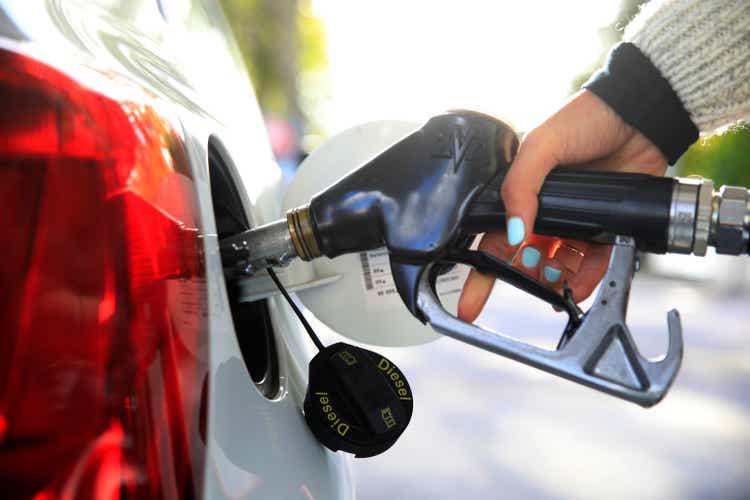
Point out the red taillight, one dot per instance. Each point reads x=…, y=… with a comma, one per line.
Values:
x=103, y=352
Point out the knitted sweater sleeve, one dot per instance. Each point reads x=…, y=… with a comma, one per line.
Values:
x=684, y=67
x=702, y=47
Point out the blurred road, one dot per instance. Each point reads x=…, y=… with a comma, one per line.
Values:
x=485, y=427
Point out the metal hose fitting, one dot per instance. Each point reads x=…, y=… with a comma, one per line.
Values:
x=731, y=224
x=700, y=217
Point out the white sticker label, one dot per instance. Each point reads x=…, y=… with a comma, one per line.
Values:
x=380, y=289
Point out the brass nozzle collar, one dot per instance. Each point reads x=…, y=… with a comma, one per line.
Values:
x=302, y=233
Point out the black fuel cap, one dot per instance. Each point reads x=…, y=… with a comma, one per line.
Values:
x=357, y=401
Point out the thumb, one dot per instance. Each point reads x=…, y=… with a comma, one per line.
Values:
x=539, y=153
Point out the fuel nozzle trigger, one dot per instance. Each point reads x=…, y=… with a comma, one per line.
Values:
x=595, y=349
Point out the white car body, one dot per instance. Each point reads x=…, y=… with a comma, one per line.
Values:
x=257, y=446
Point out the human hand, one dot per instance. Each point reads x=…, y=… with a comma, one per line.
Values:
x=586, y=133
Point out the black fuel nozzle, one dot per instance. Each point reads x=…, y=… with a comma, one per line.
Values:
x=426, y=196
x=412, y=198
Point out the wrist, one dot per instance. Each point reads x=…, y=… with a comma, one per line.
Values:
x=635, y=89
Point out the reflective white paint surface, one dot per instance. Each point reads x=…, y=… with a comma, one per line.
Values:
x=256, y=447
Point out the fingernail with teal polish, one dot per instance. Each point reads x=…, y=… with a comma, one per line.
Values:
x=530, y=257
x=551, y=274
x=516, y=231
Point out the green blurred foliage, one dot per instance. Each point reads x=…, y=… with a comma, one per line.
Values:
x=725, y=157
x=284, y=45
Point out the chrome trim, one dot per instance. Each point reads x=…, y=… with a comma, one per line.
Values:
x=731, y=234
x=703, y=216
x=681, y=231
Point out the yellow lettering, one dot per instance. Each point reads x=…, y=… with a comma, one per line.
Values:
x=383, y=364
x=387, y=415
x=342, y=429
x=348, y=358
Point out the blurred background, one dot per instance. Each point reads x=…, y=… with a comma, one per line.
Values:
x=485, y=427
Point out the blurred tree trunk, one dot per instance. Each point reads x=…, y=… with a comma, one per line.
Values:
x=287, y=56
x=284, y=47
x=267, y=33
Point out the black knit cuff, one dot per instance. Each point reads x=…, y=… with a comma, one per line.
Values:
x=631, y=85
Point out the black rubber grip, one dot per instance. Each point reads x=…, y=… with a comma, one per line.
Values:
x=589, y=206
